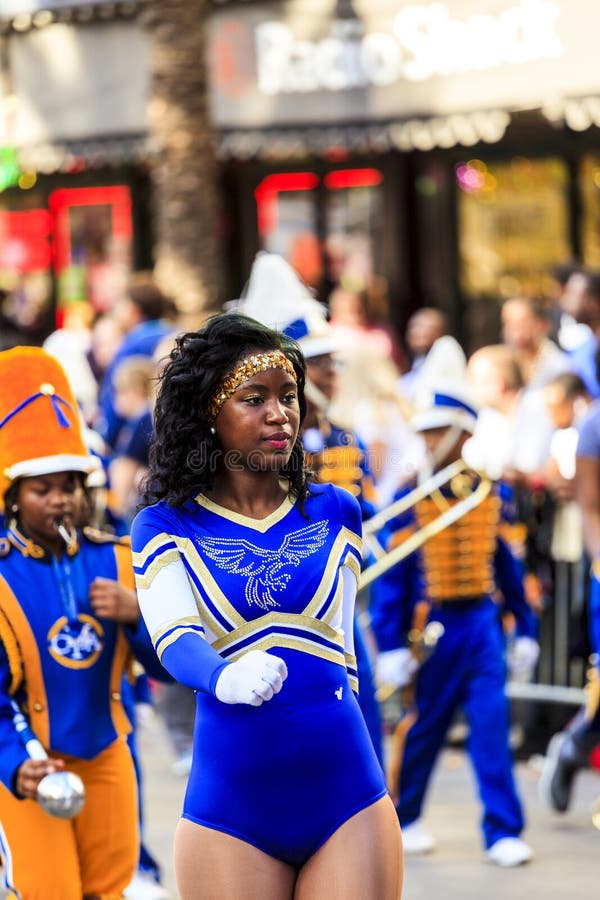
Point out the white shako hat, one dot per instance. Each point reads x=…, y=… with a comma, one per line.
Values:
x=444, y=405
x=276, y=297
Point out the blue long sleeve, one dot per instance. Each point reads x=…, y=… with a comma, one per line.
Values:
x=509, y=578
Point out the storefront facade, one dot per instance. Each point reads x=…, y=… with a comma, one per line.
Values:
x=450, y=147
x=73, y=157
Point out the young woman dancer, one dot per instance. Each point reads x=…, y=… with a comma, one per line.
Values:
x=246, y=578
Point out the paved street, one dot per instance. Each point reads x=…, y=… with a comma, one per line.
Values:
x=567, y=848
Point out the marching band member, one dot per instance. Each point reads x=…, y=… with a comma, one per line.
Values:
x=456, y=573
x=66, y=638
x=246, y=577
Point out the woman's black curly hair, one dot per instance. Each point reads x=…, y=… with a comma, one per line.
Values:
x=185, y=455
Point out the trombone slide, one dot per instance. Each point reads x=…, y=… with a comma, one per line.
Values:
x=416, y=540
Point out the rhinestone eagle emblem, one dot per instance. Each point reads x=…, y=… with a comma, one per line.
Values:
x=262, y=567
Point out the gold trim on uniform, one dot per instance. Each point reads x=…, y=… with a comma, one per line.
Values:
x=260, y=525
x=304, y=645
x=13, y=653
x=345, y=536
x=218, y=598
x=592, y=690
x=144, y=581
x=97, y=536
x=275, y=618
x=185, y=620
x=458, y=562
x=353, y=682
x=175, y=637
x=139, y=558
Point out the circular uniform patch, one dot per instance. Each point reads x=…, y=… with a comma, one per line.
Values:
x=76, y=645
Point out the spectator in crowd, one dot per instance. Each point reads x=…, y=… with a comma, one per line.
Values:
x=146, y=316
x=569, y=750
x=434, y=354
x=567, y=402
x=360, y=323
x=496, y=382
x=105, y=339
x=525, y=328
x=567, y=333
x=133, y=400
x=581, y=300
x=10, y=333
x=70, y=345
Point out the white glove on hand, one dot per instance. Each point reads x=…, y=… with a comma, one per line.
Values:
x=522, y=657
x=254, y=678
x=395, y=667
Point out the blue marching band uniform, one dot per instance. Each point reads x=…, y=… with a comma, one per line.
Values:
x=285, y=583
x=457, y=574
x=83, y=654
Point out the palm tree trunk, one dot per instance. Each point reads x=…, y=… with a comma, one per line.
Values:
x=188, y=263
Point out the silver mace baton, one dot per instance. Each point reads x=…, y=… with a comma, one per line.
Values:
x=62, y=794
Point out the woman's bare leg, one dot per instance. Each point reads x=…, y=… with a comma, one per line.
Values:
x=212, y=865
x=362, y=860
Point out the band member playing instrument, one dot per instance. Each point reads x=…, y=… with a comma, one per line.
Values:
x=457, y=572
x=66, y=639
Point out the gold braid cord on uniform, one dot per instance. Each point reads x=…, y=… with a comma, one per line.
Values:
x=592, y=690
x=13, y=653
x=339, y=466
x=247, y=368
x=458, y=562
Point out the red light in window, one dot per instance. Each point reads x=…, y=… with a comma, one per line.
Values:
x=352, y=178
x=118, y=197
x=25, y=240
x=270, y=187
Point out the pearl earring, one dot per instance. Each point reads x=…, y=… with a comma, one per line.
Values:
x=213, y=430
x=14, y=508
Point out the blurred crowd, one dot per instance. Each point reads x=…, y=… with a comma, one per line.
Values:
x=532, y=390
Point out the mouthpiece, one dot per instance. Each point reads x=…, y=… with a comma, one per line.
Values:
x=59, y=525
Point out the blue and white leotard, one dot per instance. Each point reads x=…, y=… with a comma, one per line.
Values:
x=213, y=585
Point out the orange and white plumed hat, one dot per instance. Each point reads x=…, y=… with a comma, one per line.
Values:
x=40, y=429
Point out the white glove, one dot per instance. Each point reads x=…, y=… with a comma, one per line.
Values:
x=522, y=657
x=395, y=667
x=252, y=679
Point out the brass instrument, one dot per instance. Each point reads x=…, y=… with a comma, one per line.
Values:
x=422, y=641
x=386, y=560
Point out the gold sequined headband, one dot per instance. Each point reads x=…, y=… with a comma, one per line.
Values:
x=258, y=362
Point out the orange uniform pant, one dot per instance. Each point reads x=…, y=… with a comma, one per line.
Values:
x=93, y=855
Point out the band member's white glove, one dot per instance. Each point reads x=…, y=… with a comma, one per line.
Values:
x=254, y=678
x=395, y=667
x=522, y=658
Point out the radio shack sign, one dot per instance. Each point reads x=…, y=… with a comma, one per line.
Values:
x=423, y=41
x=10, y=8
x=298, y=63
